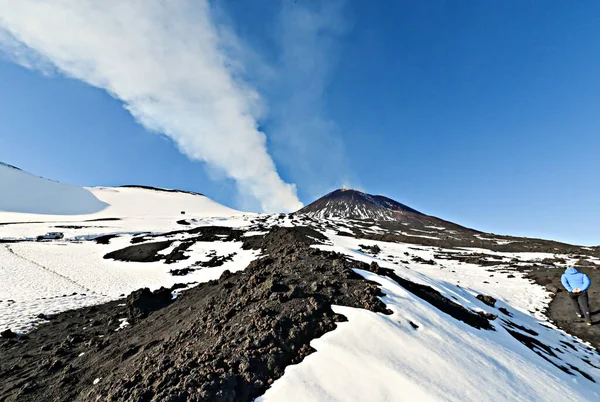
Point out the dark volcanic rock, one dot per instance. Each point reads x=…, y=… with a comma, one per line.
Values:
x=436, y=299
x=215, y=261
x=142, y=302
x=144, y=252
x=371, y=249
x=178, y=252
x=105, y=239
x=489, y=300
x=225, y=340
x=181, y=271
x=8, y=334
x=423, y=261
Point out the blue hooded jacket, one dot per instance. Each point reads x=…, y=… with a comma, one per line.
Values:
x=573, y=279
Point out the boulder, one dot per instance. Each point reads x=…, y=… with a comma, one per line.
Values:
x=8, y=334
x=488, y=300
x=141, y=302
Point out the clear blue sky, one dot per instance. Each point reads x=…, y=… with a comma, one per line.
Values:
x=484, y=113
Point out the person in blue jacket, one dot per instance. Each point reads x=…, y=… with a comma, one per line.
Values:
x=577, y=284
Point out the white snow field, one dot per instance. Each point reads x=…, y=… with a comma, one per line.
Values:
x=45, y=204
x=25, y=193
x=374, y=357
x=48, y=277
x=43, y=278
x=418, y=353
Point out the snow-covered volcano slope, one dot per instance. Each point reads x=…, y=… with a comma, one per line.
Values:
x=348, y=203
x=25, y=197
x=421, y=353
x=31, y=205
x=24, y=193
x=49, y=277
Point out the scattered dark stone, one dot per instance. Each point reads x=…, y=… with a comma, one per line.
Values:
x=374, y=267
x=488, y=300
x=505, y=311
x=216, y=261
x=183, y=222
x=375, y=249
x=75, y=338
x=423, y=261
x=510, y=276
x=181, y=271
x=105, y=239
x=487, y=315
x=412, y=324
x=8, y=334
x=142, y=302
x=178, y=253
x=138, y=239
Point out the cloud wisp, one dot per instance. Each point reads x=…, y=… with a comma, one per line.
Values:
x=167, y=61
x=305, y=139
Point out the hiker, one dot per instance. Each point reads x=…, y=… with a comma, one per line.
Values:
x=577, y=284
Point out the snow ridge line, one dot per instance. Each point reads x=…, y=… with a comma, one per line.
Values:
x=10, y=250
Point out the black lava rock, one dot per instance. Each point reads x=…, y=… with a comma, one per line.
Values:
x=488, y=300
x=142, y=302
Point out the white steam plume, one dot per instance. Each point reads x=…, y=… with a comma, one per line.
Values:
x=167, y=61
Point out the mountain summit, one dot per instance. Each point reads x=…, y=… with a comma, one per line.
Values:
x=388, y=213
x=348, y=203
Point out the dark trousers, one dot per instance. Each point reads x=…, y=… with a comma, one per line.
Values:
x=581, y=303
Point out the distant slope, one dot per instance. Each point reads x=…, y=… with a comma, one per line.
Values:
x=25, y=193
x=25, y=198
x=168, y=190
x=143, y=201
x=7, y=165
